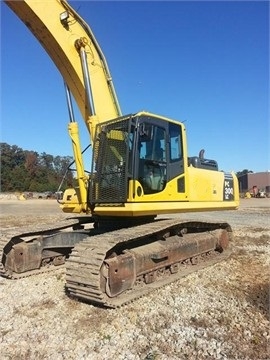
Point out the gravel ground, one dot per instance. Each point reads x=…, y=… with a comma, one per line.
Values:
x=221, y=312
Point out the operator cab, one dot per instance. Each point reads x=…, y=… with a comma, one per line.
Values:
x=144, y=148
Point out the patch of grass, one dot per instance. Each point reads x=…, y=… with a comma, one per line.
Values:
x=200, y=322
x=107, y=337
x=47, y=303
x=152, y=355
x=4, y=332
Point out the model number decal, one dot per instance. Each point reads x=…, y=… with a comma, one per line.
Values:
x=228, y=190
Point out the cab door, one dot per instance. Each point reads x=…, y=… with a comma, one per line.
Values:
x=160, y=159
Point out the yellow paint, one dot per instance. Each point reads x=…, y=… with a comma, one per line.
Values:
x=203, y=188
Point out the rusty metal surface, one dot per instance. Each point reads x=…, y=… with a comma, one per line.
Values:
x=88, y=280
x=151, y=260
x=25, y=254
x=166, y=251
x=121, y=274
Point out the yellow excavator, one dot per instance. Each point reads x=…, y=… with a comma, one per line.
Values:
x=140, y=169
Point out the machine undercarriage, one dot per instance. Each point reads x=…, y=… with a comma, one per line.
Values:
x=112, y=268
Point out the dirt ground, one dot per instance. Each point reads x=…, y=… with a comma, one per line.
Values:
x=15, y=213
x=31, y=207
x=42, y=207
x=215, y=314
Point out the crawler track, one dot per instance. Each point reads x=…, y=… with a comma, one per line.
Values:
x=83, y=280
x=12, y=236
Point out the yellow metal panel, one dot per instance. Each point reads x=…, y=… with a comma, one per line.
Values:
x=205, y=185
x=154, y=208
x=43, y=19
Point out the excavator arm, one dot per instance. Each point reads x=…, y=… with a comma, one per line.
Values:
x=70, y=43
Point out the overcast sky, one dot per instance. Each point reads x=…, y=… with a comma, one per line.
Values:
x=204, y=63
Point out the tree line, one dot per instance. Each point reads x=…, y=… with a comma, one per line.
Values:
x=24, y=170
